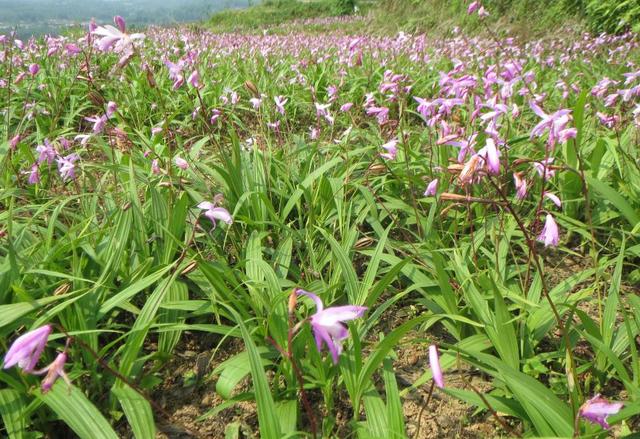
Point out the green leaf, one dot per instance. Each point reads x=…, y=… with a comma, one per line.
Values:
x=614, y=197
x=70, y=404
x=12, y=409
x=138, y=412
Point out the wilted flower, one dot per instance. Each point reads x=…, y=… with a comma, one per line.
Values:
x=434, y=363
x=598, y=409
x=549, y=234
x=215, y=213
x=27, y=349
x=328, y=324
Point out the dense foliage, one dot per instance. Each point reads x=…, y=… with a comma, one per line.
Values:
x=317, y=205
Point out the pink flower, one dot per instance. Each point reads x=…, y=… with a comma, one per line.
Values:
x=549, y=234
x=54, y=371
x=116, y=38
x=381, y=113
x=98, y=123
x=543, y=168
x=328, y=325
x=194, y=79
x=27, y=349
x=66, y=166
x=434, y=363
x=46, y=152
x=34, y=69
x=391, y=148
x=280, y=101
x=521, y=185
x=554, y=198
x=346, y=107
x=112, y=107
x=13, y=143
x=598, y=409
x=432, y=188
x=473, y=7
x=155, y=168
x=181, y=163
x=491, y=156
x=255, y=103
x=215, y=213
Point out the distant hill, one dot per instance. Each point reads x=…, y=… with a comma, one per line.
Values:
x=52, y=16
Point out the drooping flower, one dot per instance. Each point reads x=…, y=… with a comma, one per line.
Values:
x=13, y=143
x=255, y=103
x=543, y=168
x=549, y=234
x=215, y=213
x=181, y=163
x=34, y=174
x=491, y=156
x=328, y=325
x=434, y=363
x=194, y=79
x=54, y=371
x=521, y=185
x=432, y=188
x=391, y=148
x=553, y=197
x=598, y=409
x=27, y=349
x=346, y=107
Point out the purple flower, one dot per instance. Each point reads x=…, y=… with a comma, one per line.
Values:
x=391, y=148
x=13, y=143
x=491, y=157
x=215, y=213
x=98, y=123
x=34, y=174
x=280, y=103
x=598, y=409
x=112, y=107
x=66, y=166
x=521, y=185
x=554, y=123
x=346, y=107
x=54, y=371
x=543, y=168
x=46, y=152
x=549, y=234
x=34, y=69
x=194, y=79
x=328, y=324
x=434, y=363
x=432, y=188
x=554, y=198
x=27, y=349
x=255, y=103
x=181, y=163
x=381, y=113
